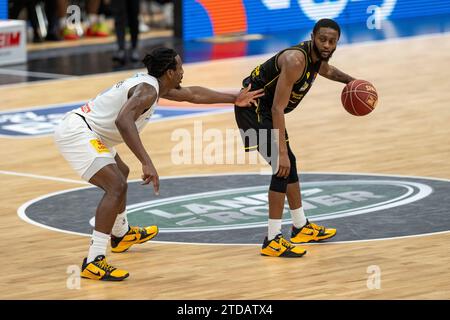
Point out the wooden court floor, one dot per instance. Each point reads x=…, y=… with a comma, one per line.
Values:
x=408, y=134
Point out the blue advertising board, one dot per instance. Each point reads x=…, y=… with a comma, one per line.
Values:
x=3, y=9
x=208, y=18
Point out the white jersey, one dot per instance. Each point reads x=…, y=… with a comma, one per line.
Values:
x=101, y=113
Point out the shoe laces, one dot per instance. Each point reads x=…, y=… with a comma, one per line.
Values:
x=317, y=227
x=286, y=243
x=105, y=265
x=136, y=230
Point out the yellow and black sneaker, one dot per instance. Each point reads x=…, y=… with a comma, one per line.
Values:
x=99, y=269
x=311, y=232
x=279, y=247
x=133, y=236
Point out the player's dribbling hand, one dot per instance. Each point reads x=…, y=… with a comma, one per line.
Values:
x=247, y=98
x=284, y=166
x=149, y=174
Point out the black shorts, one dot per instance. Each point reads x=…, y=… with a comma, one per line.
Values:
x=256, y=129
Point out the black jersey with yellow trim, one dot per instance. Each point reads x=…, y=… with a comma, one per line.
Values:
x=266, y=76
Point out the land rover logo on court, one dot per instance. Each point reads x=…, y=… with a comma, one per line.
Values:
x=234, y=208
x=244, y=207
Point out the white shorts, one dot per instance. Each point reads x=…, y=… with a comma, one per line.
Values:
x=81, y=147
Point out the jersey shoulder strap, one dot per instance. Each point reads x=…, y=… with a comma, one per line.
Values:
x=303, y=47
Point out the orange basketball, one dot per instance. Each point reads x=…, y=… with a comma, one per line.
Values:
x=359, y=97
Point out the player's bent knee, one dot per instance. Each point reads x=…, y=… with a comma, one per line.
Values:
x=118, y=188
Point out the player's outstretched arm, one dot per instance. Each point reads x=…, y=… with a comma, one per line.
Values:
x=196, y=94
x=330, y=72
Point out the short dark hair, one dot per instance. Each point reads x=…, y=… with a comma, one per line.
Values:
x=159, y=60
x=327, y=23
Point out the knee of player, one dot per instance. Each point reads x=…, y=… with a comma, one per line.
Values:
x=118, y=188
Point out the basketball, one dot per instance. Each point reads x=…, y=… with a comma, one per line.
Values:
x=359, y=97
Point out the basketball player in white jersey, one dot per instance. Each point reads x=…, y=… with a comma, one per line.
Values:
x=86, y=138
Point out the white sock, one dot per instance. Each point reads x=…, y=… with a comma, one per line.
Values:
x=298, y=217
x=120, y=227
x=98, y=246
x=274, y=228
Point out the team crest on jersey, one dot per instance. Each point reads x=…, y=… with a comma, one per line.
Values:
x=86, y=108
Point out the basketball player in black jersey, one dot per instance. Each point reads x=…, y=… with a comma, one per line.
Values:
x=286, y=79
